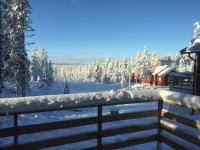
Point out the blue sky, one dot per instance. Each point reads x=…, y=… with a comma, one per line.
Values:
x=79, y=31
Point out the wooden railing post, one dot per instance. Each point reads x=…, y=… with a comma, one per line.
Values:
x=160, y=107
x=15, y=130
x=99, y=128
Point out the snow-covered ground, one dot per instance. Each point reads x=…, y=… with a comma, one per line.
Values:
x=58, y=88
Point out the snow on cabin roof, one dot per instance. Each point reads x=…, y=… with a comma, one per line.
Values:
x=166, y=71
x=194, y=45
x=159, y=69
x=191, y=49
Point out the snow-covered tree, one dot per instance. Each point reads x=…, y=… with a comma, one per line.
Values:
x=143, y=63
x=15, y=23
x=34, y=65
x=43, y=65
x=118, y=71
x=1, y=48
x=106, y=76
x=166, y=60
x=40, y=67
x=184, y=64
x=97, y=71
x=49, y=74
x=154, y=60
x=90, y=71
x=124, y=71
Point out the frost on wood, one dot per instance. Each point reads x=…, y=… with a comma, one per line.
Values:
x=37, y=103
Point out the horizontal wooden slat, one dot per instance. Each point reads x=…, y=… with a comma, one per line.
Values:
x=129, y=129
x=192, y=123
x=126, y=143
x=130, y=115
x=173, y=144
x=8, y=148
x=28, y=129
x=130, y=142
x=175, y=131
x=55, y=141
x=85, y=136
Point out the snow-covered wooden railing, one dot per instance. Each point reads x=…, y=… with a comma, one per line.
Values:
x=16, y=106
x=65, y=101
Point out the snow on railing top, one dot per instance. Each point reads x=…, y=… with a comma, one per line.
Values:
x=51, y=102
x=182, y=99
x=55, y=102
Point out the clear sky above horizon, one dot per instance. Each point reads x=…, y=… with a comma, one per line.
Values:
x=79, y=31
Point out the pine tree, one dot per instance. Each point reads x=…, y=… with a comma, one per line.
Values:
x=106, y=76
x=124, y=72
x=15, y=61
x=1, y=48
x=49, y=74
x=90, y=71
x=97, y=71
x=34, y=65
x=6, y=72
x=21, y=20
x=40, y=67
x=4, y=42
x=42, y=60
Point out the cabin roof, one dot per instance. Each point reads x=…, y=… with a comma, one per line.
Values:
x=166, y=71
x=180, y=74
x=191, y=49
x=159, y=69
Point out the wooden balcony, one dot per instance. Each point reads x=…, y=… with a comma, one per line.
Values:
x=163, y=115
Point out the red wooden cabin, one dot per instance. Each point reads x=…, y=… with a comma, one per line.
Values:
x=161, y=75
